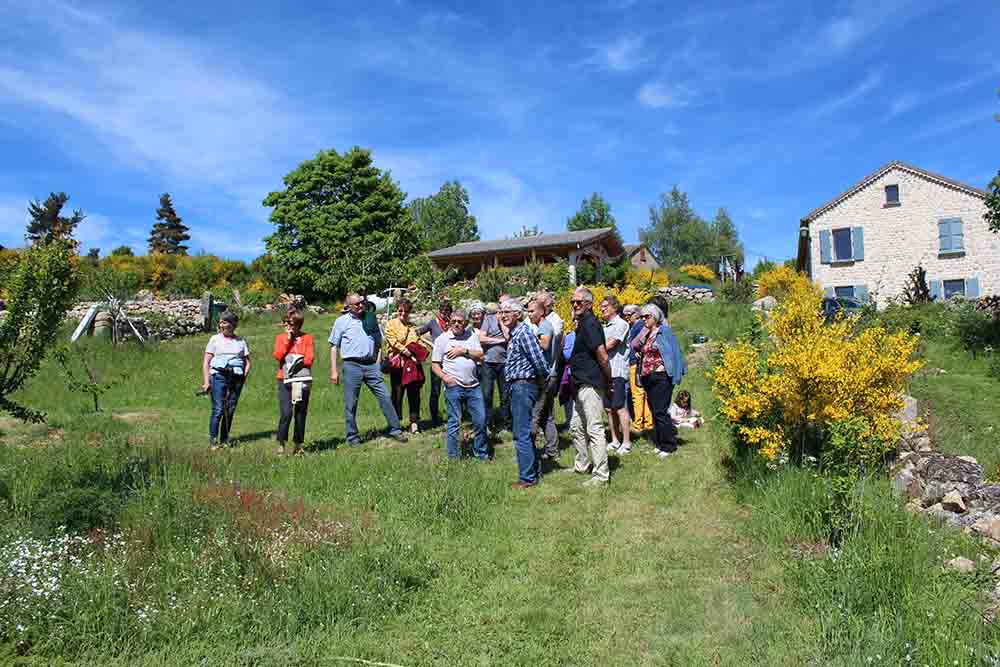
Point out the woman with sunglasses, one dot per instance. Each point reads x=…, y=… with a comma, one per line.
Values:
x=661, y=368
x=403, y=345
x=294, y=352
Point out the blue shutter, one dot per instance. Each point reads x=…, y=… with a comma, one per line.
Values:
x=828, y=292
x=858, y=241
x=935, y=290
x=861, y=293
x=956, y=235
x=972, y=288
x=824, y=246
x=944, y=236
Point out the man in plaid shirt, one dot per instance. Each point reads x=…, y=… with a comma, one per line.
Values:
x=526, y=372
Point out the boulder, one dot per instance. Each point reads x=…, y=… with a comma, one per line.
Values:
x=988, y=526
x=961, y=564
x=953, y=502
x=907, y=476
x=944, y=474
x=764, y=304
x=144, y=296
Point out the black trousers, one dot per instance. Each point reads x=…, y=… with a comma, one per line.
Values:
x=493, y=378
x=288, y=411
x=659, y=389
x=435, y=403
x=412, y=391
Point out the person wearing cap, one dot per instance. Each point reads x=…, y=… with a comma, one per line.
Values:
x=360, y=347
x=294, y=352
x=225, y=369
x=525, y=372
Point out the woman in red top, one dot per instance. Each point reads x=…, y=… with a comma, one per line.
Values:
x=293, y=350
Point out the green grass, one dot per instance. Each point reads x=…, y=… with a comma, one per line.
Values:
x=391, y=553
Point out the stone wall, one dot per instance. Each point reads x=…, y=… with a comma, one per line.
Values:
x=695, y=293
x=161, y=319
x=898, y=238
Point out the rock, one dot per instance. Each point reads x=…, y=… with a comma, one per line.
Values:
x=949, y=473
x=941, y=514
x=961, y=564
x=144, y=296
x=953, y=502
x=764, y=304
x=907, y=477
x=968, y=459
x=908, y=414
x=988, y=526
x=914, y=507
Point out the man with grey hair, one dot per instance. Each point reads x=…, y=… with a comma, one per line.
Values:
x=542, y=418
x=591, y=373
x=525, y=372
x=494, y=337
x=360, y=352
x=456, y=353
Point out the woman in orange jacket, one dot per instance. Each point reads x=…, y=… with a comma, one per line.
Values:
x=293, y=350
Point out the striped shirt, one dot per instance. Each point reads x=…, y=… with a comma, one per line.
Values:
x=525, y=359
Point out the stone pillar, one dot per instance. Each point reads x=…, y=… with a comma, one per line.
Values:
x=206, y=311
x=572, y=268
x=102, y=325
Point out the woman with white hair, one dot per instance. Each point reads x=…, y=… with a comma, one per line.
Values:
x=661, y=368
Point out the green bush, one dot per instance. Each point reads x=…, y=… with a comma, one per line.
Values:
x=737, y=292
x=975, y=329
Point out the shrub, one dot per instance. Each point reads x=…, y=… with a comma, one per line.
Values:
x=648, y=280
x=783, y=398
x=737, y=291
x=491, y=283
x=780, y=282
x=975, y=329
x=916, y=291
x=8, y=262
x=699, y=271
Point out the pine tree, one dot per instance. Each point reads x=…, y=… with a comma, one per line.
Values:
x=170, y=233
x=47, y=224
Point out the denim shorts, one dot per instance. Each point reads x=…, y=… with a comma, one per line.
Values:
x=616, y=401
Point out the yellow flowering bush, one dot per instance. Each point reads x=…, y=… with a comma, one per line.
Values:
x=699, y=271
x=647, y=279
x=628, y=294
x=812, y=374
x=780, y=281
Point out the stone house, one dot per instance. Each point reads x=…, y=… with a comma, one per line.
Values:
x=640, y=257
x=594, y=245
x=865, y=242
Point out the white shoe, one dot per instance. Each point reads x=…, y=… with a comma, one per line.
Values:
x=613, y=447
x=662, y=454
x=625, y=449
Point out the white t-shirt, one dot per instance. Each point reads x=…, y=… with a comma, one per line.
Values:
x=463, y=369
x=618, y=357
x=228, y=353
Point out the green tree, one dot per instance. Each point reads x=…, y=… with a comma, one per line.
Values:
x=39, y=291
x=122, y=251
x=677, y=235
x=47, y=223
x=443, y=219
x=993, y=204
x=170, y=233
x=340, y=225
x=727, y=239
x=594, y=213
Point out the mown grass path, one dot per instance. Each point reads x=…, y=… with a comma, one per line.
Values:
x=653, y=570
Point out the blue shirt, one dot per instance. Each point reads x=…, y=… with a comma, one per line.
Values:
x=350, y=337
x=495, y=353
x=632, y=333
x=525, y=360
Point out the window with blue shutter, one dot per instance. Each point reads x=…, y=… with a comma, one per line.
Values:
x=858, y=242
x=954, y=288
x=935, y=290
x=950, y=235
x=843, y=249
x=824, y=246
x=861, y=293
x=972, y=288
x=892, y=195
x=845, y=291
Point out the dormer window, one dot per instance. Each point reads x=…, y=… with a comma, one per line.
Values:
x=892, y=195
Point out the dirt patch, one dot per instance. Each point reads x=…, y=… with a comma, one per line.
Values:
x=139, y=416
x=701, y=355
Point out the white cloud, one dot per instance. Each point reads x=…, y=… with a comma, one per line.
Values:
x=843, y=33
x=872, y=81
x=622, y=55
x=658, y=95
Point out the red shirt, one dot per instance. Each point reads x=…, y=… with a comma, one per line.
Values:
x=300, y=345
x=651, y=359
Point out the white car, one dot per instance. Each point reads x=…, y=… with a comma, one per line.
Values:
x=385, y=299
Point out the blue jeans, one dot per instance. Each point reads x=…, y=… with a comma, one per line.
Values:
x=355, y=375
x=522, y=402
x=472, y=398
x=223, y=405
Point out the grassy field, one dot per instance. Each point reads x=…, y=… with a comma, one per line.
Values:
x=390, y=553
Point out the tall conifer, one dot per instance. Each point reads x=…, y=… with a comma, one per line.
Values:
x=169, y=233
x=47, y=224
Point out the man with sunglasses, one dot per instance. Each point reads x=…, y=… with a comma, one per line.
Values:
x=360, y=350
x=591, y=374
x=453, y=360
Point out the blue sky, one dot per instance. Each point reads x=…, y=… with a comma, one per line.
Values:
x=766, y=108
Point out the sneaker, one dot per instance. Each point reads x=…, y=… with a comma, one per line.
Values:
x=613, y=447
x=414, y=428
x=663, y=453
x=281, y=449
x=625, y=449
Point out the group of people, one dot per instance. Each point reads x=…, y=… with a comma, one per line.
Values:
x=624, y=369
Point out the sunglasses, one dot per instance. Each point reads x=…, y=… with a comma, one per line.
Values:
x=457, y=321
x=577, y=302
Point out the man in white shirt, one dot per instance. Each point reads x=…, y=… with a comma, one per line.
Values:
x=453, y=359
x=616, y=342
